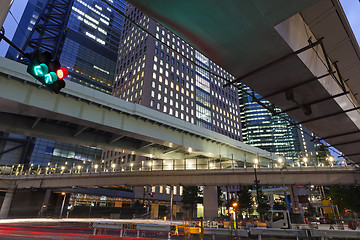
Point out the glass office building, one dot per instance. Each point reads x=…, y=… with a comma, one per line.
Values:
x=273, y=133
x=86, y=41
x=87, y=46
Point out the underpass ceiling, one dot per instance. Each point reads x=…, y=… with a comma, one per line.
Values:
x=242, y=36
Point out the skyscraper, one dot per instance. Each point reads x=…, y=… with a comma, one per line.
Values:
x=273, y=133
x=169, y=75
x=84, y=35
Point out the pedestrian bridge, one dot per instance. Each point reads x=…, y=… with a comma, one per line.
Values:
x=199, y=172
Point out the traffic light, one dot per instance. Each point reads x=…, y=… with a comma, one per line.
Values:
x=151, y=194
x=47, y=70
x=256, y=182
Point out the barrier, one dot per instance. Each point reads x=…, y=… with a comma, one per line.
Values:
x=332, y=233
x=278, y=232
x=173, y=229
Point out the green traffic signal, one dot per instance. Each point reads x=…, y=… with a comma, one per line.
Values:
x=41, y=70
x=50, y=78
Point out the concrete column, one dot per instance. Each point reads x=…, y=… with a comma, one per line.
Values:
x=5, y=208
x=294, y=198
x=45, y=204
x=210, y=202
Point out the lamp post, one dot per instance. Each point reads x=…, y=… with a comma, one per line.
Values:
x=62, y=205
x=331, y=160
x=235, y=215
x=305, y=159
x=285, y=194
x=256, y=181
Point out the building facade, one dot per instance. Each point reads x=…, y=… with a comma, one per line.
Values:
x=273, y=133
x=85, y=38
x=170, y=76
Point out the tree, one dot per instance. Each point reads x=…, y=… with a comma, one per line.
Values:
x=263, y=205
x=138, y=208
x=190, y=198
x=345, y=197
x=311, y=211
x=245, y=200
x=280, y=205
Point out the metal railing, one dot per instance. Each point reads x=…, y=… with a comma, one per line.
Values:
x=161, y=165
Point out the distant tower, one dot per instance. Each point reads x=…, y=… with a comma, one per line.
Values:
x=273, y=133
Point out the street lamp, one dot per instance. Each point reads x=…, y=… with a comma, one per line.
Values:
x=256, y=162
x=62, y=205
x=305, y=159
x=235, y=215
x=331, y=160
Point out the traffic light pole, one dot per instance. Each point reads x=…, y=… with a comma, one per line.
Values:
x=2, y=36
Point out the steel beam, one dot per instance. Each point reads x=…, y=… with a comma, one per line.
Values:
x=35, y=123
x=341, y=135
x=313, y=102
x=296, y=85
x=79, y=130
x=11, y=149
x=345, y=143
x=325, y=116
x=311, y=45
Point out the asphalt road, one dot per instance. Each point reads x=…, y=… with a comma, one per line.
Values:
x=82, y=231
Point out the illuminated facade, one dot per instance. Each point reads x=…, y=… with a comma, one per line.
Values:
x=88, y=50
x=150, y=73
x=89, y=44
x=272, y=133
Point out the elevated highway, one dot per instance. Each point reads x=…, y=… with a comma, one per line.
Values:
x=84, y=116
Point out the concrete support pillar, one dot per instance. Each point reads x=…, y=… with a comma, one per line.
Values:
x=45, y=204
x=294, y=198
x=5, y=208
x=210, y=202
x=271, y=200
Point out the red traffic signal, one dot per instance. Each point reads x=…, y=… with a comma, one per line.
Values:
x=151, y=194
x=62, y=73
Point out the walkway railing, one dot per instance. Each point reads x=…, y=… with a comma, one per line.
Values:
x=160, y=165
